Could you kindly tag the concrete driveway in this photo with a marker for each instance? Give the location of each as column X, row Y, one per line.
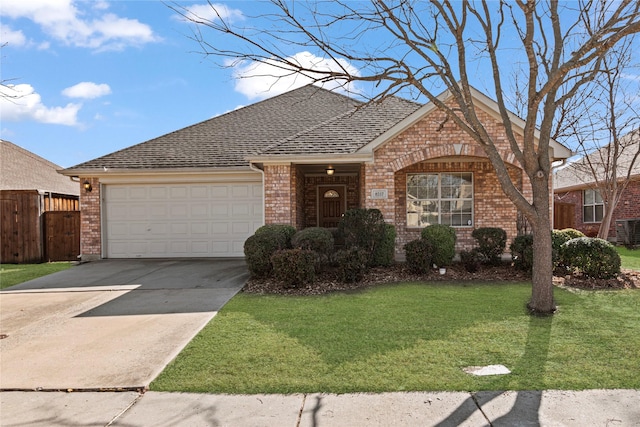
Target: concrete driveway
column 109, row 324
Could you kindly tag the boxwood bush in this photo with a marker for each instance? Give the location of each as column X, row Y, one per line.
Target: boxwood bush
column 558, row 238
column 419, row 256
column 352, row 264
column 593, row 257
column 384, row 253
column 443, row 242
column 281, row 233
column 317, row 239
column 294, row 268
column 363, row 229
column 491, row 244
column 259, row 248
column 522, row 252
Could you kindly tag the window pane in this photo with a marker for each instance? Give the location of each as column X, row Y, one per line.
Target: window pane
column 445, row 198
column 588, row 197
column 599, row 213
column 412, row 192
column 587, row 214
column 598, row 197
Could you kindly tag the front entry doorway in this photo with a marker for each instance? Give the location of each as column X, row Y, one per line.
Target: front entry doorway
column 331, row 205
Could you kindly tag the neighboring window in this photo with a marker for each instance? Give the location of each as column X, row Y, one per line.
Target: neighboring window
column 330, row 194
column 593, row 206
column 440, row 198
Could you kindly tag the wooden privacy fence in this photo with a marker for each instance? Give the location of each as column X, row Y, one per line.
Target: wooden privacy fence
column 30, row 235
column 62, row 236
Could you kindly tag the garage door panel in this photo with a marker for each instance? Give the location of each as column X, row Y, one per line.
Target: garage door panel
column 191, row 220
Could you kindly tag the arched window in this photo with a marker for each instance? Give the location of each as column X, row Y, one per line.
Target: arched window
column 330, row 194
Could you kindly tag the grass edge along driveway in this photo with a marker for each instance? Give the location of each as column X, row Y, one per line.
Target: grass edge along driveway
column 411, row 337
column 13, row 274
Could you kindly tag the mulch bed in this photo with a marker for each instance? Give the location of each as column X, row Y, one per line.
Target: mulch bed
column 329, row 282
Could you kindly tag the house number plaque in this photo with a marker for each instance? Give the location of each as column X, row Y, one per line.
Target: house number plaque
column 379, row 194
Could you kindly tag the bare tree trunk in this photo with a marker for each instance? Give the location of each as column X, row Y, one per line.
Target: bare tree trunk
column 542, row 301
column 605, row 224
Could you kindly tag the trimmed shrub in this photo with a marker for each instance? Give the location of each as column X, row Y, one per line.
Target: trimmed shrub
column 257, row 251
column 364, row 229
column 491, row 244
column 572, row 233
column 352, row 264
column 419, row 256
column 384, row 253
column 593, row 257
column 522, row 252
column 317, row 239
column 294, row 267
column 443, row 242
column 470, row 260
column 281, row 233
column 558, row 238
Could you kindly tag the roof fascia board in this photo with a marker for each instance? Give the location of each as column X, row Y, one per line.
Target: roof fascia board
column 311, row 159
column 166, row 171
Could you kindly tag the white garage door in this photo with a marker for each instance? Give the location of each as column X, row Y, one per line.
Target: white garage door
column 180, row 220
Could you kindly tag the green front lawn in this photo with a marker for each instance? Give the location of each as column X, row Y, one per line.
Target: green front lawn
column 412, row 336
column 630, row 258
column 12, row 274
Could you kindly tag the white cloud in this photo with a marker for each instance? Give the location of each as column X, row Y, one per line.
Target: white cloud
column 87, row 90
column 95, row 29
column 264, row 80
column 210, row 12
column 22, row 103
column 11, row 37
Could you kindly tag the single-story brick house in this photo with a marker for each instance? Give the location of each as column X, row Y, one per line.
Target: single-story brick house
column 301, row 158
column 578, row 203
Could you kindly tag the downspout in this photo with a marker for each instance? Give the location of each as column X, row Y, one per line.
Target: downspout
column 553, row 190
column 257, row 169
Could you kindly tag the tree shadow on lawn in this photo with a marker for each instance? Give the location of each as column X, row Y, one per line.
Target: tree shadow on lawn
column 343, row 328
column 525, row 409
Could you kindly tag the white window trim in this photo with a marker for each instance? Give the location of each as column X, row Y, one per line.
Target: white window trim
column 473, row 219
column 592, row 206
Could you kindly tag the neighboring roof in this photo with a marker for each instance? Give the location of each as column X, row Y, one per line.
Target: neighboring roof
column 225, row 141
column 578, row 174
column 22, row 170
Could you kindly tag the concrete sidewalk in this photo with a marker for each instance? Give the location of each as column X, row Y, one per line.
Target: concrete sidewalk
column 130, row 409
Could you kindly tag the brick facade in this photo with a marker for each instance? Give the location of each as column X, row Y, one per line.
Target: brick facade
column 417, row 149
column 90, row 223
column 628, row 207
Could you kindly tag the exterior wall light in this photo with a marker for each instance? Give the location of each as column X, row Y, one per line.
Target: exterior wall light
column 330, row 170
column 87, row 186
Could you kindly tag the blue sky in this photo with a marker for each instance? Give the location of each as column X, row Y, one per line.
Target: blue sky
column 92, row 77
column 95, row 76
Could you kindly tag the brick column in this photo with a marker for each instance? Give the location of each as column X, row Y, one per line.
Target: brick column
column 277, row 195
column 90, row 224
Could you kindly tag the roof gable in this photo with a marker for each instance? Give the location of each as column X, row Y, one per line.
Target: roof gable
column 24, row 170
column 487, row 105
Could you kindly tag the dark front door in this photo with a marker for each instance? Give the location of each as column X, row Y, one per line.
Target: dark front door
column 331, row 205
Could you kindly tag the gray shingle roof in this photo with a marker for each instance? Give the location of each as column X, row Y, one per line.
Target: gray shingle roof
column 225, row 141
column 348, row 132
column 578, row 173
column 21, row 169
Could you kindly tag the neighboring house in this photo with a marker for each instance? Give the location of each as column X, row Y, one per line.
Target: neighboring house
column 29, row 187
column 300, row 158
column 578, row 203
